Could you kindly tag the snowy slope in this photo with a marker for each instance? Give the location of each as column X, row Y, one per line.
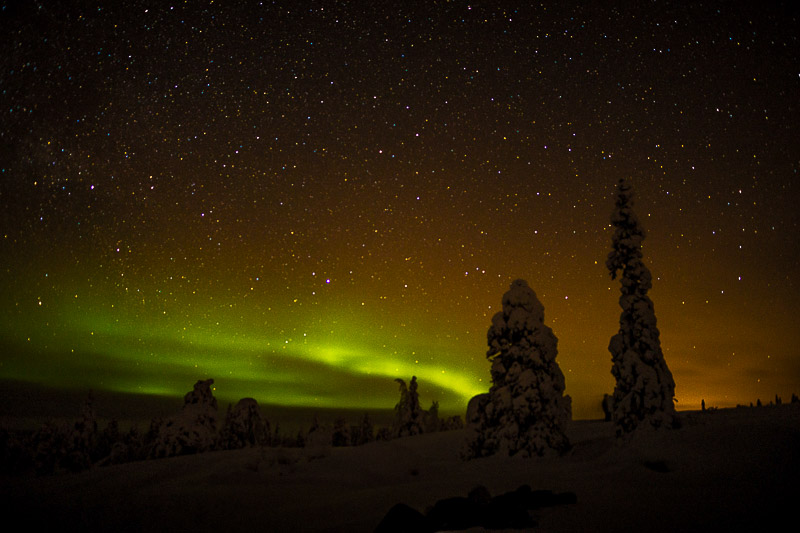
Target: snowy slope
column 724, row 470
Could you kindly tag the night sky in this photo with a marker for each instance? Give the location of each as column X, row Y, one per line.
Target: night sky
column 306, row 200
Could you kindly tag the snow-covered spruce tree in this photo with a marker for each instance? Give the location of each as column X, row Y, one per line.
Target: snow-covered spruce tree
column 644, row 393
column 431, row 418
column 245, row 425
column 525, row 412
column 409, row 416
column 194, row 430
column 85, row 437
column 318, row 441
column 341, row 434
column 366, row 432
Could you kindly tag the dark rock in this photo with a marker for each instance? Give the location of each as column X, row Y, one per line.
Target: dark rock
column 454, row 513
column 546, row 498
column 403, row 519
column 508, row 510
column 657, row 466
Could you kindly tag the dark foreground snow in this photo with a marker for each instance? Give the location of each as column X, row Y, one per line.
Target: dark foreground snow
column 726, row 470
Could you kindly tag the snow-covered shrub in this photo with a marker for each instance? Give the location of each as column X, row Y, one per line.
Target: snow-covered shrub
column 525, row 411
column 63, row 446
column 194, row 429
column 108, row 438
column 383, row 434
column 51, row 446
column 85, row 434
column 341, row 432
column 645, row 389
column 366, row 431
column 245, row 425
column 607, row 404
column 319, row 441
column 15, row 453
column 299, row 441
column 451, row 423
column 431, row 421
column 81, row 447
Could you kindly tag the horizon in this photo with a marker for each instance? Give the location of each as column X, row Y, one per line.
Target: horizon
column 28, row 406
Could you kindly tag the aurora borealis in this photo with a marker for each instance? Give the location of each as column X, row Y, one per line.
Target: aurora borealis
column 305, row 201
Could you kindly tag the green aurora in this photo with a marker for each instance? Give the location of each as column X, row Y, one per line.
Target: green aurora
column 71, row 346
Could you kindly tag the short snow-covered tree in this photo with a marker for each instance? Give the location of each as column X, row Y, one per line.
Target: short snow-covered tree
column 431, row 418
column 525, row 411
column 366, row 431
column 341, row 434
column 319, row 440
column 607, row 405
column 245, row 425
column 409, row 417
column 194, row 429
column 645, row 389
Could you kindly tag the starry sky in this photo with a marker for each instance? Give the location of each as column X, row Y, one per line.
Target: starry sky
column 307, row 200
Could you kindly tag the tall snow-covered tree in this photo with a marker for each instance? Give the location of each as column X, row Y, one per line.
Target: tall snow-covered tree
column 645, row 389
column 525, row 411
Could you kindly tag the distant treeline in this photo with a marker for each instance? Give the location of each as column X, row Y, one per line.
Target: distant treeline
column 199, row 427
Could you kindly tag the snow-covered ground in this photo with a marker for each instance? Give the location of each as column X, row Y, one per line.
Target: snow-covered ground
column 725, row 470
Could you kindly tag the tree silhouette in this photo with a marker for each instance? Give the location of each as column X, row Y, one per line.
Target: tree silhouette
column 645, row 389
column 525, row 411
column 409, row 416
